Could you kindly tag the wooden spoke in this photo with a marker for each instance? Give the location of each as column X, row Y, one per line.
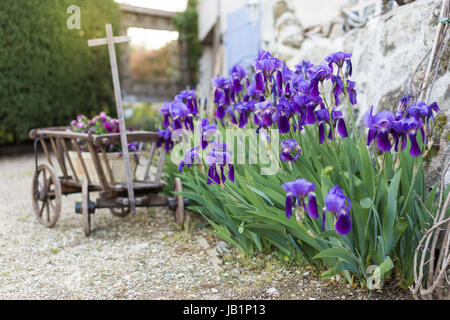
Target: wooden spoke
column 47, row 207
column 42, row 209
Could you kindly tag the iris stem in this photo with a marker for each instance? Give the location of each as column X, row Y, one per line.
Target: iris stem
column 349, row 108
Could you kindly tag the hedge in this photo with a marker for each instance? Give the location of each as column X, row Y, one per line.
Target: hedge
column 48, row 74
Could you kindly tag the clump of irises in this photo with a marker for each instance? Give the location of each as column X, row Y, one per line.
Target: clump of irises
column 392, row 131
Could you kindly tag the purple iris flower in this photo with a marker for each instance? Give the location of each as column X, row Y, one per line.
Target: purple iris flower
column 265, row 66
column 411, row 125
column 264, row 111
column 318, row 74
column 379, row 126
column 301, row 189
column 338, row 204
column 224, row 93
column 303, row 68
column 208, row 130
column 165, row 136
column 351, row 91
column 216, row 160
column 338, row 88
column 285, row 110
column 339, row 123
column 287, row 75
column 305, row 106
column 404, row 103
column 267, row 63
column 244, row 109
column 287, row 147
column 180, row 113
column 339, row 58
column 165, row 111
column 299, row 84
column 189, row 97
column 237, row 73
column 190, row 157
column 421, row 110
column 399, row 132
column 323, row 116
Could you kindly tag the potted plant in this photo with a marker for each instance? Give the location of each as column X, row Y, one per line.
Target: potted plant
column 102, row 124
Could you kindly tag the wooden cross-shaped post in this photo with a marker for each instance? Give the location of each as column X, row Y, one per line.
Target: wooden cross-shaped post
column 110, row 40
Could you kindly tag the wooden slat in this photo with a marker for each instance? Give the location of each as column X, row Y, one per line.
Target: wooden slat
column 66, row 152
column 62, row 134
column 83, row 164
column 57, row 155
column 60, row 150
column 162, row 160
column 135, row 136
column 47, row 155
column 149, row 162
column 108, row 166
column 98, row 166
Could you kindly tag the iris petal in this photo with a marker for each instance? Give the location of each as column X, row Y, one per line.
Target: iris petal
column 383, row 142
column 343, row 224
column 312, row 207
column 342, row 128
column 231, row 172
column 321, row 133
column 289, row 206
column 323, row 219
column 283, row 124
column 415, row 150
column 259, row 80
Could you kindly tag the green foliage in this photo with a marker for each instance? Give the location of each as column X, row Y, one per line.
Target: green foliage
column 187, row 25
column 145, row 117
column 48, row 74
column 386, row 215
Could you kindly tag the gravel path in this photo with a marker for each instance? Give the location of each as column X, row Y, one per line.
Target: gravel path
column 136, row 257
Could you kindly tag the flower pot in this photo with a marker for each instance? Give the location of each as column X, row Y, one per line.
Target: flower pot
column 116, row 162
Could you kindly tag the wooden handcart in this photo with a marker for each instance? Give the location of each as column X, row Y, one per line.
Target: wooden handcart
column 48, row 186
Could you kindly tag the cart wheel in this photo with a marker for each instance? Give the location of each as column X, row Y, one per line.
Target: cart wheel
column 120, row 212
column 179, row 211
column 85, row 208
column 46, row 195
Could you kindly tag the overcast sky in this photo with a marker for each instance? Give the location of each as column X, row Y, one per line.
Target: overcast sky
column 154, row 39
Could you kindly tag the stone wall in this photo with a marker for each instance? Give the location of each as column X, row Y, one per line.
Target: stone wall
column 386, row 52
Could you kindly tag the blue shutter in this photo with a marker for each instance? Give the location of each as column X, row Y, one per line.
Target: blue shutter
column 243, row 39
